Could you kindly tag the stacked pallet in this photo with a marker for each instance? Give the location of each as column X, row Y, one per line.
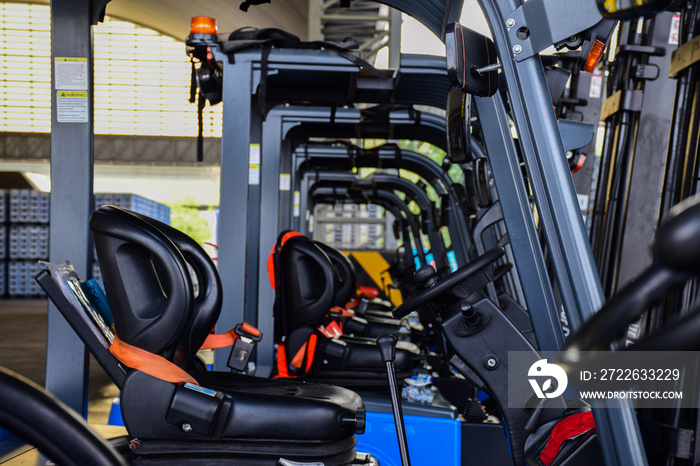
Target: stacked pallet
column 27, row 238
column 136, row 204
column 3, row 242
column 24, row 234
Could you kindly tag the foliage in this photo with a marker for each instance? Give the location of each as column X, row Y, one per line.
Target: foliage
column 185, row 216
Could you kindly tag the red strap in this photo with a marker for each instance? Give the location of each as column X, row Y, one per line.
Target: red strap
column 353, row 304
column 311, row 348
column 249, row 329
column 570, row 427
column 337, row 311
column 298, row 358
column 368, row 292
column 226, row 340
column 307, row 351
column 220, row 340
column 282, row 368
column 149, row 363
column 270, row 258
column 332, row 330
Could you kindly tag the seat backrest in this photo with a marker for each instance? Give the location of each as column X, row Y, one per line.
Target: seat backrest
column 305, row 285
column 209, row 297
column 148, row 286
column 345, row 274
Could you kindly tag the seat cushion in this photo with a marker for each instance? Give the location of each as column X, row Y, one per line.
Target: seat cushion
column 252, row 408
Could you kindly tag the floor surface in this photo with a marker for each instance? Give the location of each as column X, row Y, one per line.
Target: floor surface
column 23, row 350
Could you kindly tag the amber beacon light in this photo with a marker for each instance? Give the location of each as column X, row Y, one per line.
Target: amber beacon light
column 594, row 56
column 203, row 25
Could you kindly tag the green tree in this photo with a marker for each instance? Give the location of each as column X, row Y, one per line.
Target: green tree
column 185, row 216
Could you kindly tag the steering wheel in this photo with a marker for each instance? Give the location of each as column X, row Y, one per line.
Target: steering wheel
column 450, row 282
column 34, row 415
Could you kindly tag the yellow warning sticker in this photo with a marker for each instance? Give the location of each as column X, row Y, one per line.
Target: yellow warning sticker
column 285, row 182
column 297, row 204
column 254, row 164
column 72, row 94
column 72, row 106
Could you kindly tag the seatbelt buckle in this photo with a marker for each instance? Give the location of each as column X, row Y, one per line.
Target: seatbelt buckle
column 243, row 346
column 338, row 311
column 332, row 330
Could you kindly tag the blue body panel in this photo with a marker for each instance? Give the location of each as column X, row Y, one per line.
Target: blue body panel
column 431, row 440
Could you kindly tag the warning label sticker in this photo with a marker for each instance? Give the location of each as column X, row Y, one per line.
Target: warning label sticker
column 71, row 73
column 296, row 204
column 254, row 164
column 596, row 89
column 285, row 182
column 72, row 106
column 675, row 29
column 253, row 174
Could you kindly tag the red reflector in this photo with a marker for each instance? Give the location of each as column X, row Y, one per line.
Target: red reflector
column 594, row 56
column 579, row 163
column 203, row 25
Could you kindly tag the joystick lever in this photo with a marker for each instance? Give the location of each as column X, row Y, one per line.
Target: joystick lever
column 387, row 348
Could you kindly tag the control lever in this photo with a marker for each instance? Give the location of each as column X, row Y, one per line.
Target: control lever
column 425, row 276
column 387, row 348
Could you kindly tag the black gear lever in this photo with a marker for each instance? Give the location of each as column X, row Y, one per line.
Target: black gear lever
column 387, row 348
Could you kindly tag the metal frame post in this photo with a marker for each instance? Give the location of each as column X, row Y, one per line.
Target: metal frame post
column 395, row 23
column 557, row 205
column 233, row 213
column 517, row 214
column 270, row 193
column 71, row 198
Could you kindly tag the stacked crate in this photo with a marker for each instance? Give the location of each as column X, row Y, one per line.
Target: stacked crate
column 27, row 237
column 24, row 234
column 136, row 204
column 3, row 242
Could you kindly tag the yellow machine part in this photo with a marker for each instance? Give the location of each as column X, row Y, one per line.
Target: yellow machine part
column 377, row 268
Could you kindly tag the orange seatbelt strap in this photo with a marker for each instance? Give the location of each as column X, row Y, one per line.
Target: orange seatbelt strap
column 282, row 369
column 149, row 363
column 270, row 258
column 307, row 352
column 337, row 311
column 353, row 304
column 225, row 340
column 311, row 352
column 298, row 358
column 368, row 292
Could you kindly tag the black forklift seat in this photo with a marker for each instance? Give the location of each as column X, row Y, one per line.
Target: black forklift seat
column 152, row 302
column 346, row 285
column 348, row 291
column 305, row 290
